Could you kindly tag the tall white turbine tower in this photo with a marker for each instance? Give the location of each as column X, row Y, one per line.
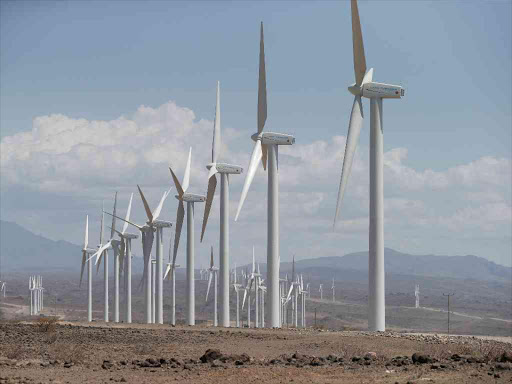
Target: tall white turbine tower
column 266, row 147
column 190, row 199
column 212, row 272
column 365, row 87
column 125, row 259
column 333, row 288
column 224, row 170
column 237, row 288
column 85, row 259
column 417, row 295
column 321, row 290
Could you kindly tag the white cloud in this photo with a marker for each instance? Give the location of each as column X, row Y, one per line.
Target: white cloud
column 64, row 156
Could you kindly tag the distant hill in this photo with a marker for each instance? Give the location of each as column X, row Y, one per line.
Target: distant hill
column 355, row 265
column 20, row 248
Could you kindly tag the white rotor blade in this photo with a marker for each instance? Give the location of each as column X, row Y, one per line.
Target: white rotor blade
column 368, row 77
column 86, row 239
column 186, row 175
column 354, row 128
column 176, row 183
column 209, row 283
column 128, row 211
column 179, row 223
column 84, row 259
column 262, row 86
column 243, row 301
column 158, row 209
column 216, row 128
column 99, row 252
column 253, row 167
column 212, row 184
column 167, row 270
column 139, row 227
column 211, row 260
column 146, row 205
column 289, row 293
column 147, row 245
column 114, row 212
column 102, row 218
column 357, row 44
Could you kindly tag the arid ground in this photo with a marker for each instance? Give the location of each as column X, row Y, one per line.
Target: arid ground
column 46, row 351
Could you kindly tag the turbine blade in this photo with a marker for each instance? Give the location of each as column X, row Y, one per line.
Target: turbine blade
column 158, row 209
column 253, row 166
column 167, row 270
column 84, row 259
column 354, row 129
column 264, row 156
column 209, row 283
column 99, row 252
column 176, row 183
column 211, row 260
column 243, row 301
column 289, row 292
column 116, row 231
column 212, row 184
column 368, row 77
column 262, row 86
column 86, row 238
column 146, row 205
column 186, row 175
column 216, row 128
column 102, row 218
column 114, row 212
column 128, row 211
column 126, row 221
column 357, row 44
column 179, row 223
column 147, row 245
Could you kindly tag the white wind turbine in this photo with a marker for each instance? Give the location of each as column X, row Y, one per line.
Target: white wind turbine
column 333, row 289
column 125, row 264
column 266, row 147
column 303, row 292
column 365, row 87
column 224, row 170
column 102, row 252
column 2, row 288
column 321, row 290
column 212, row 272
column 417, row 295
column 147, row 234
column 31, row 289
column 170, row 272
column 253, row 278
column 190, row 199
column 85, row 259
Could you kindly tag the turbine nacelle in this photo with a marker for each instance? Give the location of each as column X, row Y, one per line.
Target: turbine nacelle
column 225, row 168
column 191, row 198
column 381, row 90
column 273, row 138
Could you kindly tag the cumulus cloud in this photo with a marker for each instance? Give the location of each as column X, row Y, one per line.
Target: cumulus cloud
column 64, row 156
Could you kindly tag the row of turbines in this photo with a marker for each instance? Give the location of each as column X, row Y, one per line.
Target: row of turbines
column 266, row 146
column 35, row 286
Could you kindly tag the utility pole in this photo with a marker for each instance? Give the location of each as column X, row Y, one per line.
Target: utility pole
column 448, row 296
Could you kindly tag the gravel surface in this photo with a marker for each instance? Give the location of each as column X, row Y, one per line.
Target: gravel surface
column 101, row 353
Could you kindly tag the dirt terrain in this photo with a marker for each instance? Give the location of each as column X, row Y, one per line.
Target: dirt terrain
column 44, row 351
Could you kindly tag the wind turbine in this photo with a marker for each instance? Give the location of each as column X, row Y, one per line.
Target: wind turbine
column 212, row 272
column 333, row 289
column 266, row 147
column 2, row 288
column 190, row 199
column 224, row 170
column 253, row 278
column 85, row 259
column 365, row 87
column 417, row 295
column 237, row 288
column 125, row 258
column 102, row 252
column 171, row 272
column 147, row 234
column 303, row 293
column 321, row 290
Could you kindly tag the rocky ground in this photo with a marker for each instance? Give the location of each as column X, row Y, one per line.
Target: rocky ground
column 44, row 352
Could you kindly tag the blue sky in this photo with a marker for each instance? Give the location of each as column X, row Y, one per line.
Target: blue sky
column 102, row 60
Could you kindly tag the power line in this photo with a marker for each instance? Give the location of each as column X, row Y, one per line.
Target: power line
column 448, row 295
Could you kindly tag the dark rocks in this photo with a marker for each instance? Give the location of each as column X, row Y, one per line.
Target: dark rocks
column 506, row 357
column 456, row 357
column 239, row 362
column 503, row 366
column 421, row 359
column 216, row 364
column 210, row 355
column 355, row 359
column 107, row 364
